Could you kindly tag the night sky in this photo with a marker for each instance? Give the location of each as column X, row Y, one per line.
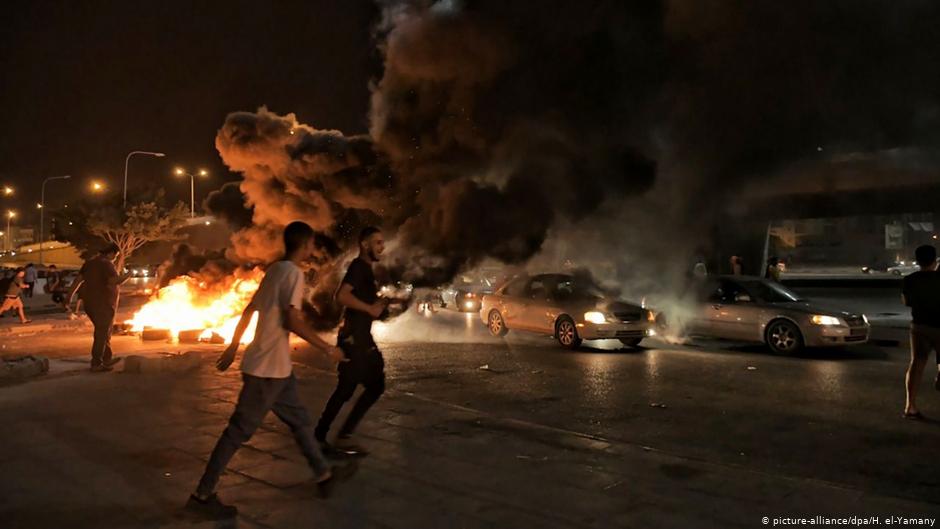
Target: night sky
column 84, row 83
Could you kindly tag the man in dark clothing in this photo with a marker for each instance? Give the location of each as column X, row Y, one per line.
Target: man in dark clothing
column 359, row 295
column 99, row 283
column 922, row 295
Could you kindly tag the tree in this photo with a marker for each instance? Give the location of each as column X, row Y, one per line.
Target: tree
column 137, row 225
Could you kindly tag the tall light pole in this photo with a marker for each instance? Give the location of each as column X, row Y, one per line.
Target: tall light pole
column 10, row 215
column 127, row 161
column 42, row 212
column 192, row 187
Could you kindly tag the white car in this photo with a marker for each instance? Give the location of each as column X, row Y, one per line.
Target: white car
column 903, row 268
column 564, row 306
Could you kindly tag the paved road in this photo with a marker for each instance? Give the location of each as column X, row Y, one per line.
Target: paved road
column 483, row 432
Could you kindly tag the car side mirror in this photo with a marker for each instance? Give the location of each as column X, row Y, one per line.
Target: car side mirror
column 742, row 298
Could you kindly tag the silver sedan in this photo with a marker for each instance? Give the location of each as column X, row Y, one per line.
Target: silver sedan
column 758, row 310
column 570, row 309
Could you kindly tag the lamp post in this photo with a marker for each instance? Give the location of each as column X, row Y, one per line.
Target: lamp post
column 42, row 212
column 127, row 161
column 192, row 187
column 10, row 215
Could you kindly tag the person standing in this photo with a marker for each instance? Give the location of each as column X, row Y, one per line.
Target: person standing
column 359, row 295
column 53, row 284
column 99, row 282
column 267, row 372
column 773, row 269
column 30, row 279
column 921, row 292
column 11, row 299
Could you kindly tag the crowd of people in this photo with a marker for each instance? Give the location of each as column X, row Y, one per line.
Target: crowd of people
column 19, row 284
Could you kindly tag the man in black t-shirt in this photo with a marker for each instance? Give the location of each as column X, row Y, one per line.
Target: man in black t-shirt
column 359, row 295
column 98, row 282
column 922, row 295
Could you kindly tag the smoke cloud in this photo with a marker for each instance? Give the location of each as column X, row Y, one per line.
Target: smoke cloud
column 504, row 131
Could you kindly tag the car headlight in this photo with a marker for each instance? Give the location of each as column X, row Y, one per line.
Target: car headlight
column 865, row 319
column 819, row 319
column 594, row 316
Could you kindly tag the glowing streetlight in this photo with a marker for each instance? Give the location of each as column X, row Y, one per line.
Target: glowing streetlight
column 179, row 171
column 127, row 161
column 96, row 187
column 42, row 211
column 7, row 190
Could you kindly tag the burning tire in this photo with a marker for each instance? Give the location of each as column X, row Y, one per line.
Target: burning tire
column 567, row 333
column 496, row 325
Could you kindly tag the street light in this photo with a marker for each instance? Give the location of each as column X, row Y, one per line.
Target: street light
column 96, row 187
column 42, row 212
column 192, row 187
column 10, row 215
column 127, row 161
column 7, row 190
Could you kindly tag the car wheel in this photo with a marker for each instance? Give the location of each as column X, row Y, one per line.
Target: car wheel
column 631, row 342
column 496, row 325
column 567, row 333
column 784, row 337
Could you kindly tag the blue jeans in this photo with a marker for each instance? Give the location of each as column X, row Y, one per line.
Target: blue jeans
column 258, row 396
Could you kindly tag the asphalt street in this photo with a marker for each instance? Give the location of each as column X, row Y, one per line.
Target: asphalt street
column 518, row 431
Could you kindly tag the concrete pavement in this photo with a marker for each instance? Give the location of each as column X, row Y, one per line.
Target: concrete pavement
column 483, row 432
column 491, row 433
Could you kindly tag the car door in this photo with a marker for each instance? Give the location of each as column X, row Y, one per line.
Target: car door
column 512, row 302
column 535, row 315
column 707, row 302
column 738, row 315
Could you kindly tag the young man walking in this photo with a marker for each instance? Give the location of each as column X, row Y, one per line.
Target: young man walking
column 358, row 294
column 922, row 295
column 99, row 282
column 267, row 372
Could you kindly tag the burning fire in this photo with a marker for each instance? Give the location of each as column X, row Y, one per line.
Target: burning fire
column 190, row 304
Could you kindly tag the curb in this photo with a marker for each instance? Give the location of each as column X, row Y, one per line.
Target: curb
column 22, row 330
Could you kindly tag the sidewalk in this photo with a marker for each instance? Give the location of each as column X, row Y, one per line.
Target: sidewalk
column 121, row 450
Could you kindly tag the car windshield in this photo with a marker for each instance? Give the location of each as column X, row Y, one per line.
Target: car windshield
column 571, row 288
column 770, row 291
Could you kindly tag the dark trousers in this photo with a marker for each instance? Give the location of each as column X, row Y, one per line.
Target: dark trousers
column 102, row 317
column 257, row 398
column 367, row 367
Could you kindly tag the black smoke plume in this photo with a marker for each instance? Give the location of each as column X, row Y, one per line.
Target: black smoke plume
column 495, row 123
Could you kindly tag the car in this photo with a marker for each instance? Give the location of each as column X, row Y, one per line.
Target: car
column 903, row 268
column 570, row 308
column 752, row 309
column 466, row 293
column 142, row 270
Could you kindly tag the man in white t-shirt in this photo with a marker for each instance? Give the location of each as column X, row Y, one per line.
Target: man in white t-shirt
column 269, row 384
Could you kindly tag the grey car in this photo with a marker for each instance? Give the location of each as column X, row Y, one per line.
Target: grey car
column 752, row 309
column 569, row 308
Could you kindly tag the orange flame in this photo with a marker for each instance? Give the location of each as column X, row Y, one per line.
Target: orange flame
column 190, row 304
